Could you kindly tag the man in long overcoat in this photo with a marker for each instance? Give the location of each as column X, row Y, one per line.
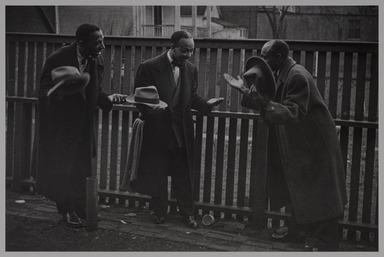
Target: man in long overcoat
column 66, row 129
column 168, row 137
column 305, row 166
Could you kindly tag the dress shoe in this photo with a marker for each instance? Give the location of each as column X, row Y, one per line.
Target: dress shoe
column 72, row 220
column 190, row 221
column 159, row 220
column 285, row 236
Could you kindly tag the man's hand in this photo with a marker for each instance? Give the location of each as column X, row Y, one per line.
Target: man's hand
column 237, row 84
column 215, row 101
column 149, row 110
column 117, row 98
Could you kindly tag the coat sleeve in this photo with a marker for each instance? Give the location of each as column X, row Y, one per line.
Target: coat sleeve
column 294, row 104
column 198, row 102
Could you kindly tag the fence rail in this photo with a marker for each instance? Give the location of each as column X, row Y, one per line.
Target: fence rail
column 229, row 142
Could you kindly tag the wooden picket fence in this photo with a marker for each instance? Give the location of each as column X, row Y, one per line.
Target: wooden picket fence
column 230, row 142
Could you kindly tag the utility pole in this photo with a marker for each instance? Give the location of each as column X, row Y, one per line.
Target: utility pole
column 194, row 25
column 209, row 20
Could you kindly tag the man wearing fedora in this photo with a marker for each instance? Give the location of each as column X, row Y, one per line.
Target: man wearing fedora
column 305, row 166
column 70, row 90
column 168, row 137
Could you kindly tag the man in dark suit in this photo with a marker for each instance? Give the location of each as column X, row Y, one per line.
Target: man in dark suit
column 305, row 165
column 168, row 140
column 66, row 129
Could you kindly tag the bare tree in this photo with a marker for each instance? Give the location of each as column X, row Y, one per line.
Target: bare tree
column 276, row 15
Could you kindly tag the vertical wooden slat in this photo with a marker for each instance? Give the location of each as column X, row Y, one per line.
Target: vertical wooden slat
column 124, row 144
column 27, row 141
column 219, row 164
column 212, row 73
column 231, row 158
column 202, row 71
column 138, row 58
column 360, row 86
column 309, row 61
column 297, row 56
column 346, row 105
column 147, row 53
column 107, row 70
column 223, row 82
column 235, row 95
column 334, row 83
column 253, row 160
column 11, row 69
column 354, row 184
column 39, row 62
column 208, row 161
column 31, row 85
column 116, row 86
column 127, row 81
column 20, row 66
column 373, row 90
column 35, row 149
column 347, row 85
column 50, row 48
column 321, row 69
column 243, row 156
column 104, row 150
column 114, row 151
column 125, row 137
column 198, row 144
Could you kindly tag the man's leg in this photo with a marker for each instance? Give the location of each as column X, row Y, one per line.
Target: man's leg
column 182, row 186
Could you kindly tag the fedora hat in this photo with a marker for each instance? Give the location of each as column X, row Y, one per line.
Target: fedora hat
column 260, row 74
column 147, row 96
column 68, row 80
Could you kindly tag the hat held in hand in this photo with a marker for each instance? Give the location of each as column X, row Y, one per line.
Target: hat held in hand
column 260, row 74
column 68, row 80
column 147, row 96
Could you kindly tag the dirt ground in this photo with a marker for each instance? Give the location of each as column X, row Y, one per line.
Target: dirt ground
column 26, row 234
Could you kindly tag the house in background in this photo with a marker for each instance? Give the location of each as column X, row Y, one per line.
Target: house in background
column 333, row 23
column 139, row 21
column 200, row 21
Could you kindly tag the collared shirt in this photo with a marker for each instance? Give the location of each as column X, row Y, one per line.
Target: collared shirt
column 82, row 61
column 175, row 69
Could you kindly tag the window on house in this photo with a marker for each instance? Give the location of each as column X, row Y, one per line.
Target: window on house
column 354, row 28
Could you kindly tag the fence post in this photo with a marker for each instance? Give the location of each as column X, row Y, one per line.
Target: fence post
column 258, row 207
column 91, row 199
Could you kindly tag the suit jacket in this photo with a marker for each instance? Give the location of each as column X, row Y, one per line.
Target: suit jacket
column 153, row 167
column 65, row 124
column 305, row 164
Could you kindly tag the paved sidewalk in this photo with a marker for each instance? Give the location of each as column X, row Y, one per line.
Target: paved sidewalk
column 222, row 236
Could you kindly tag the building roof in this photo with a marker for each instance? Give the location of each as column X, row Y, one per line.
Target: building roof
column 225, row 24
